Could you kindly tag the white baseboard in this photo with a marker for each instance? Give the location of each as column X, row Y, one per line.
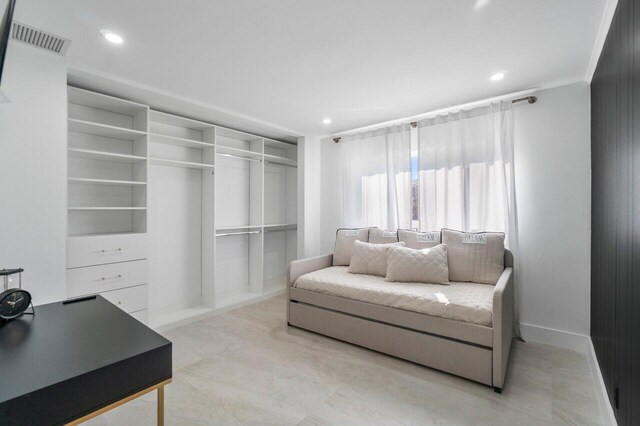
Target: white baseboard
column 551, row 336
column 603, row 398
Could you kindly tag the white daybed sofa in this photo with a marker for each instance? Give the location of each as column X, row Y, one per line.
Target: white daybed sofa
column 463, row 328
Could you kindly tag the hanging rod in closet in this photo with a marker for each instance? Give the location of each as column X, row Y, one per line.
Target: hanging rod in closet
column 282, row 164
column 237, row 233
column 414, row 124
column 239, row 157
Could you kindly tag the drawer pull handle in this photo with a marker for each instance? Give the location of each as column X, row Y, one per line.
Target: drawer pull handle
column 110, row 250
column 111, row 278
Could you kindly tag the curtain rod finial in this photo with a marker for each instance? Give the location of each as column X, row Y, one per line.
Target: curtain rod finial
column 414, row 124
column 532, row 99
column 336, row 140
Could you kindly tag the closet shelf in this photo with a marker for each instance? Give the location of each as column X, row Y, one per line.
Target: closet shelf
column 105, row 234
column 178, row 121
column 105, row 182
column 106, row 208
column 104, row 130
column 87, row 154
column 173, row 140
column 224, row 150
column 231, row 228
column 102, row 102
column 280, row 160
column 178, row 163
column 281, row 227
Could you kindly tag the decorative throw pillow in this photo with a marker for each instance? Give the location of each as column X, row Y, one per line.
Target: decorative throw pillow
column 344, row 244
column 418, row 266
column 419, row 240
column 381, row 236
column 370, row 259
column 475, row 257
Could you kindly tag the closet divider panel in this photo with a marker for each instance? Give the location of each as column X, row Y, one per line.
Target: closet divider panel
column 208, row 221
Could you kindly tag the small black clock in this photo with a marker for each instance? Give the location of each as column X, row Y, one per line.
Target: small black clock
column 13, row 301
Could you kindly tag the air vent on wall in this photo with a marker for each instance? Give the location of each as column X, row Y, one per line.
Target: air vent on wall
column 40, row 39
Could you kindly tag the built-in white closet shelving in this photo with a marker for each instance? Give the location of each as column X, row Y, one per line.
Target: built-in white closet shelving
column 186, row 216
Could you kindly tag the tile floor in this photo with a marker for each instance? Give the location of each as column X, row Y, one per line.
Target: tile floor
column 247, row 367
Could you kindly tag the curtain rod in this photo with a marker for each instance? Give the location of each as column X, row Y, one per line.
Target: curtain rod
column 529, row 99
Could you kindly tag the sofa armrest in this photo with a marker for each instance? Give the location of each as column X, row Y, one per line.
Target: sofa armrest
column 304, row 266
column 502, row 325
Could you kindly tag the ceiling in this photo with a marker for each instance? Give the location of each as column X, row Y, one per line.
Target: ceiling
column 291, row 63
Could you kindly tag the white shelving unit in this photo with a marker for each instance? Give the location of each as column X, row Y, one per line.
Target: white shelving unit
column 107, row 200
column 217, row 206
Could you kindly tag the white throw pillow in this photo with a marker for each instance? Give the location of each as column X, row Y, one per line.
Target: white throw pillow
column 418, row 266
column 419, row 240
column 344, row 244
column 475, row 257
column 381, row 236
column 370, row 259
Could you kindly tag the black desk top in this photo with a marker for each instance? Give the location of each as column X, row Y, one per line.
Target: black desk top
column 65, row 342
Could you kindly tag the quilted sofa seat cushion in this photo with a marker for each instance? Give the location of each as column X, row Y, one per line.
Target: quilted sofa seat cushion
column 344, row 244
column 424, row 266
column 475, row 257
column 467, row 302
column 370, row 258
column 419, row 240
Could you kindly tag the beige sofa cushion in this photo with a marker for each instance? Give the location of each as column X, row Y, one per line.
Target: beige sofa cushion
column 419, row 240
column 474, row 257
column 420, row 266
column 370, row 259
column 344, row 244
column 468, row 302
column 382, row 236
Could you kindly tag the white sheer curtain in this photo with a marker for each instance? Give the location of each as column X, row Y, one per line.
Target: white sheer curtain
column 376, row 178
column 466, row 175
column 466, row 178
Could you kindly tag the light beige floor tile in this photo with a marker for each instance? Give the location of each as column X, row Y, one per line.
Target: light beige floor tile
column 248, row 367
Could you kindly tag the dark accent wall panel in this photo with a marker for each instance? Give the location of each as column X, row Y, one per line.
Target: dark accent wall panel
column 615, row 240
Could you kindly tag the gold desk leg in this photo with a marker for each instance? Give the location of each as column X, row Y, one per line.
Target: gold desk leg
column 161, row 406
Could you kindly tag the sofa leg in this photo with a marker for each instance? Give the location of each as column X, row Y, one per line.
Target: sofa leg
column 497, row 389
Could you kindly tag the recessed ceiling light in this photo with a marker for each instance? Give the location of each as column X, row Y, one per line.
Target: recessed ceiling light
column 111, row 36
column 497, row 76
column 327, row 121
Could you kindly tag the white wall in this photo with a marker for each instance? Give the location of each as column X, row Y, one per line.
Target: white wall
column 33, row 171
column 553, row 191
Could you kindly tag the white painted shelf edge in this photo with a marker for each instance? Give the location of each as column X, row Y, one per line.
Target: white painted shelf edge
column 174, row 140
column 105, row 182
column 178, row 163
column 231, row 227
column 106, row 208
column 99, row 129
column 106, row 234
column 103, row 155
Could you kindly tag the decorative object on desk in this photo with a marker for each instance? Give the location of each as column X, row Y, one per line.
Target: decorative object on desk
column 14, row 301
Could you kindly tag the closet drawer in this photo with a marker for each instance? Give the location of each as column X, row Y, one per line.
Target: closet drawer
column 96, row 279
column 86, row 251
column 130, row 299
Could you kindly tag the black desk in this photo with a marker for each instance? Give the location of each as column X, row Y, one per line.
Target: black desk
column 71, row 362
